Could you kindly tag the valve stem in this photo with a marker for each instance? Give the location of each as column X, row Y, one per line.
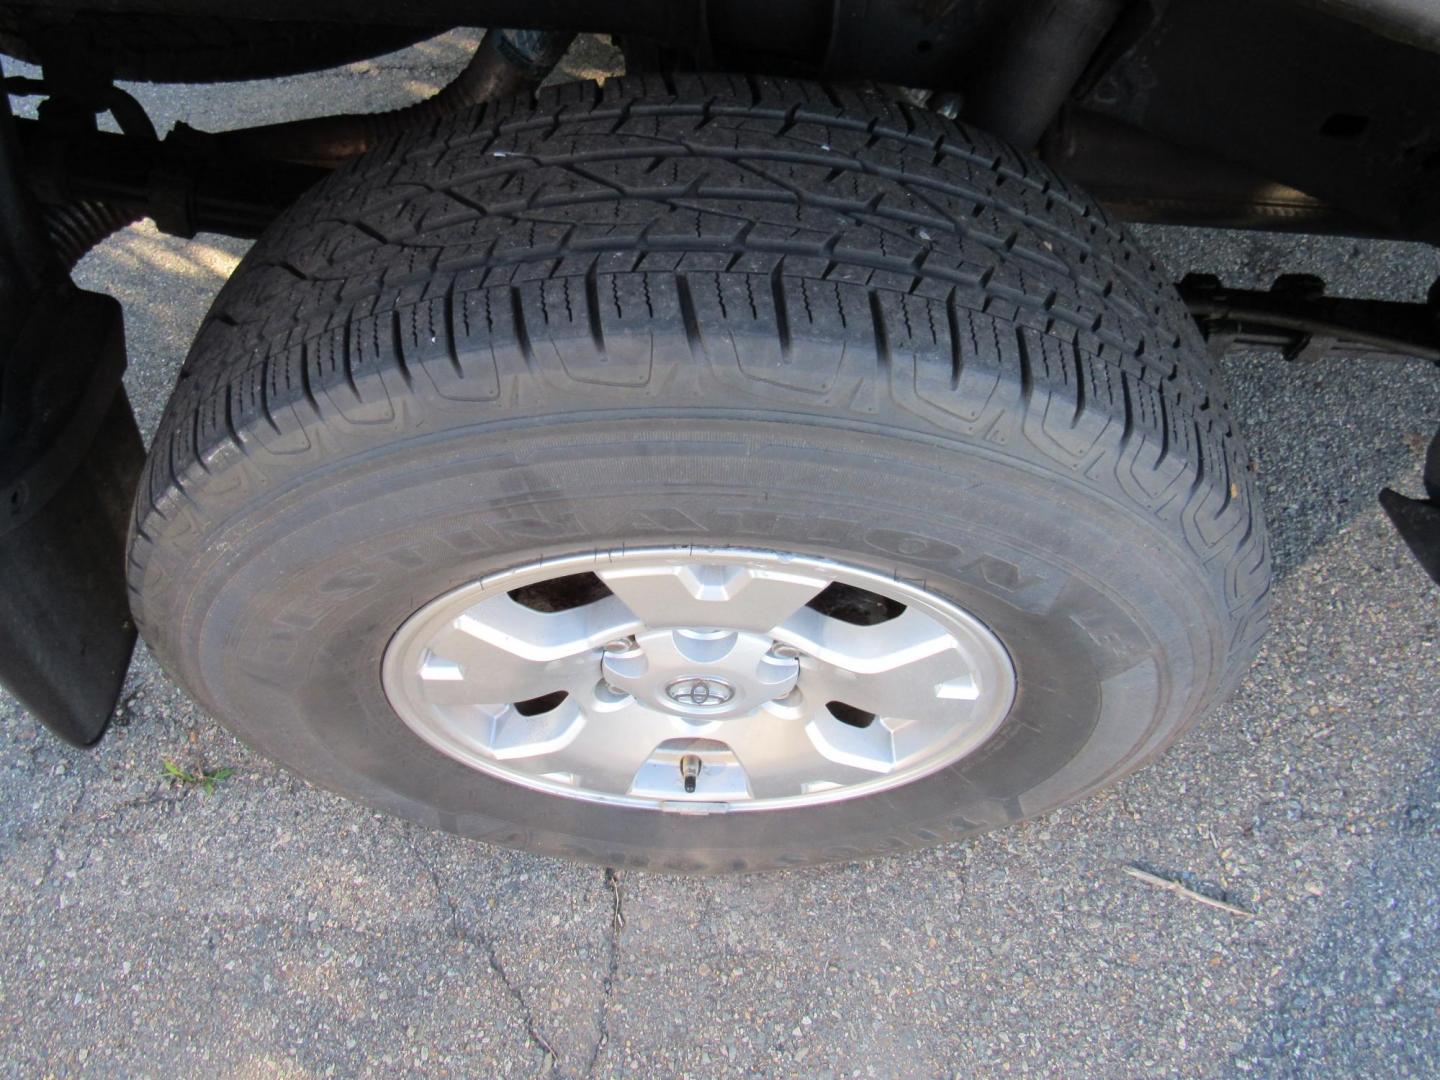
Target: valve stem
column 690, row 772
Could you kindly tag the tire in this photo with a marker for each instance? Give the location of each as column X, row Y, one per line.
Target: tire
column 758, row 314
column 195, row 49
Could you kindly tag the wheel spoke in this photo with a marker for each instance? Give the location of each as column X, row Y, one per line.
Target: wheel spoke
column 498, row 651
column 545, row 635
column 490, row 676
column 909, row 668
column 921, row 690
column 718, row 595
column 610, row 746
column 510, row 735
column 781, row 756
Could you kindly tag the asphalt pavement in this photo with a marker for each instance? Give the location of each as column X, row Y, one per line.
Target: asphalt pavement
column 267, row 929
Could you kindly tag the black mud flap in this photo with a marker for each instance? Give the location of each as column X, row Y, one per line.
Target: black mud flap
column 1418, row 520
column 70, row 455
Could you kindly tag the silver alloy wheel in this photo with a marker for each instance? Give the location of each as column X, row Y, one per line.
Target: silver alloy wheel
column 698, row 679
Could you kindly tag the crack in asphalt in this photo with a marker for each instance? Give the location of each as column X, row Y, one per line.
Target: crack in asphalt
column 478, row 939
column 612, row 969
column 162, row 794
column 56, row 838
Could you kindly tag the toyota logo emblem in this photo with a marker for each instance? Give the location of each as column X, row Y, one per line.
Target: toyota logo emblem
column 700, row 691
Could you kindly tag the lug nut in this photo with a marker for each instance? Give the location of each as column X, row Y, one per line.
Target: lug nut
column 619, row 645
column 781, row 651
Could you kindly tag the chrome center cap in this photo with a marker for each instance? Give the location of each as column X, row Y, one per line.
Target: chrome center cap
column 702, row 674
column 701, row 691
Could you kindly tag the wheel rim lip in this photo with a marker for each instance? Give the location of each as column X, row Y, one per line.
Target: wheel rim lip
column 407, row 644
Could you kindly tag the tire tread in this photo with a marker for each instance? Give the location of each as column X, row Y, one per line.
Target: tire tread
column 995, row 303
